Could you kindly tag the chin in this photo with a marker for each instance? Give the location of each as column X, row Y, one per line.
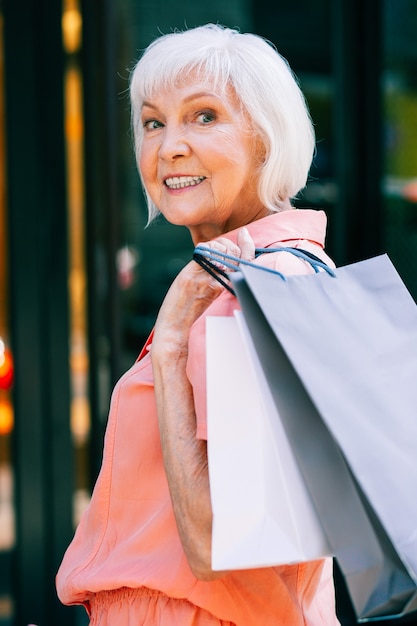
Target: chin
column 180, row 218
column 176, row 220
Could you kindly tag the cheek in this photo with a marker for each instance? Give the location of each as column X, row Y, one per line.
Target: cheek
column 143, row 165
column 147, row 166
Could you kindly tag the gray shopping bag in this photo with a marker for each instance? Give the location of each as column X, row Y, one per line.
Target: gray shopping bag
column 340, row 356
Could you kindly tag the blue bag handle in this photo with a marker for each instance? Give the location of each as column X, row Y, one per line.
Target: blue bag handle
column 208, row 258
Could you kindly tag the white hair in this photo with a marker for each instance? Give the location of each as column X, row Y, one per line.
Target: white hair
column 264, row 84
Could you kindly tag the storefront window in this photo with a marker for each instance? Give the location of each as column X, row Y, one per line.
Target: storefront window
column 400, row 117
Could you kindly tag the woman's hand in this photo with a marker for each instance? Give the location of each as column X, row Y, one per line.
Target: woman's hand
column 185, row 456
column 192, row 292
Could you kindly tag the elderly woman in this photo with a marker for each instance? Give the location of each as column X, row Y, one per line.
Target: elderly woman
column 223, row 142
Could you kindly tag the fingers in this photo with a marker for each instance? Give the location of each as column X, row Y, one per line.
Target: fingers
column 223, row 244
column 243, row 249
column 226, row 249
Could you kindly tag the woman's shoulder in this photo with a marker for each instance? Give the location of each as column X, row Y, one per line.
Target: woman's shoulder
column 278, row 257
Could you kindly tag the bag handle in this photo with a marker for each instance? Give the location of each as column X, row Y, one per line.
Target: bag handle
column 210, row 259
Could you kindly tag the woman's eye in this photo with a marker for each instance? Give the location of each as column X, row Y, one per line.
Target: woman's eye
column 205, row 117
column 152, row 124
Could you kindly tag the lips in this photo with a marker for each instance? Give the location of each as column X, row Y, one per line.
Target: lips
column 180, row 182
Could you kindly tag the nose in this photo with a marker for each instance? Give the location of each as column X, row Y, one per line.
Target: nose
column 174, row 143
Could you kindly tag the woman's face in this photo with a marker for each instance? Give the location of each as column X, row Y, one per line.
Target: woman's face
column 199, row 159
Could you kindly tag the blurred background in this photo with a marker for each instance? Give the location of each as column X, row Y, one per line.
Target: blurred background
column 81, row 278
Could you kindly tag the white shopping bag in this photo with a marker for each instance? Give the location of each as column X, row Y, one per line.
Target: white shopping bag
column 262, row 511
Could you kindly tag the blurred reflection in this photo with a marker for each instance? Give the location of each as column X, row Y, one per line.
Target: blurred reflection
column 6, row 382
column 127, row 259
column 79, row 360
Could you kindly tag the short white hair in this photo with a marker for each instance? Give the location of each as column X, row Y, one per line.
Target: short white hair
column 264, row 84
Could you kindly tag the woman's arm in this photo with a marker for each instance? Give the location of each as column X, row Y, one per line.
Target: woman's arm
column 185, row 456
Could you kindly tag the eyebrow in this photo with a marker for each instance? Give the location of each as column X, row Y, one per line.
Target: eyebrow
column 145, row 103
column 193, row 96
column 201, row 94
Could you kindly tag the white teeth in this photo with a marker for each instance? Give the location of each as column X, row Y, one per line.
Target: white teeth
column 178, row 182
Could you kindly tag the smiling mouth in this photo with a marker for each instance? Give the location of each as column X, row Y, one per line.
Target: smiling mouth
column 179, row 182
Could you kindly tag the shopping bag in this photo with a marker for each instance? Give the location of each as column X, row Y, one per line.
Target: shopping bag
column 257, row 492
column 340, row 357
column 256, row 520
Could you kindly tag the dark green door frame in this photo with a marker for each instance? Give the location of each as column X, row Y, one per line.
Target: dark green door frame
column 357, row 39
column 37, row 234
column 101, row 100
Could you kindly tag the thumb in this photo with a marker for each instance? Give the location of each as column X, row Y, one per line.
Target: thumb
column 246, row 244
